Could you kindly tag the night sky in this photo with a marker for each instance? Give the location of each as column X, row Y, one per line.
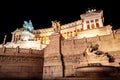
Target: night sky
column 41, row 13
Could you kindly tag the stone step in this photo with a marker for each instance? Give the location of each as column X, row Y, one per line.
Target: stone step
column 87, row 79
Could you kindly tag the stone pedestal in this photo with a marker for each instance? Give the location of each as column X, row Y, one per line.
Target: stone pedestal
column 53, row 66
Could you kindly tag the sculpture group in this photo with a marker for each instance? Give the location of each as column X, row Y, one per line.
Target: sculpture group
column 56, row 26
column 93, row 55
column 28, row 25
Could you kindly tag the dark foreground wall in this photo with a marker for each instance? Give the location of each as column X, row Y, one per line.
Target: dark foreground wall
column 21, row 63
column 73, row 78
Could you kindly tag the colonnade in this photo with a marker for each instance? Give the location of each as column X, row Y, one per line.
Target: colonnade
column 42, row 39
column 91, row 24
column 15, row 38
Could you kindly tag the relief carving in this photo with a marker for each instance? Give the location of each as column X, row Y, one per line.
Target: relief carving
column 93, row 55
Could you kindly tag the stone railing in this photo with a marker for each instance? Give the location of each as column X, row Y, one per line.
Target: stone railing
column 21, row 51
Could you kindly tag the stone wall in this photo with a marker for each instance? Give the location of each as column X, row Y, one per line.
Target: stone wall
column 63, row 57
column 72, row 51
column 77, row 46
column 53, row 66
column 21, row 63
column 58, row 59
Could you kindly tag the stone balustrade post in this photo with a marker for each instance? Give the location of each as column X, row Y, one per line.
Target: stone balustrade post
column 17, row 49
column 4, row 49
column 30, row 51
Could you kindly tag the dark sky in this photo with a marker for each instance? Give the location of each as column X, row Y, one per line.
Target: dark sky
column 13, row 14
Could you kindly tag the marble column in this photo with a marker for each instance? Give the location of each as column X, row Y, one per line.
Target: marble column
column 100, row 23
column 90, row 24
column 84, row 25
column 94, row 23
column 13, row 37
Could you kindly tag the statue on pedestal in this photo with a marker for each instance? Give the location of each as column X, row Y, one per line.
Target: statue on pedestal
column 28, row 25
column 56, row 26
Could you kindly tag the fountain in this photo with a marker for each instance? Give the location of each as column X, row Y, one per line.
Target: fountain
column 95, row 71
column 95, row 68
